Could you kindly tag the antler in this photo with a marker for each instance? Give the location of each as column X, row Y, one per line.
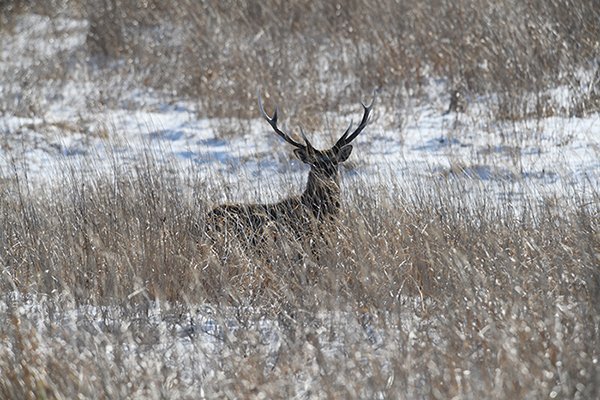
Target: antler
column 273, row 122
column 345, row 139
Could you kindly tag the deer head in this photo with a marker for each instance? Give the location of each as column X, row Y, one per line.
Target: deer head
column 324, row 163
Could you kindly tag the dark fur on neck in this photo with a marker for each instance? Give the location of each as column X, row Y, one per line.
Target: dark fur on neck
column 322, row 194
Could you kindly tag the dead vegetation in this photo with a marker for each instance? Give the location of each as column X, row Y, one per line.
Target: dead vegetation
column 432, row 288
column 324, row 55
column 506, row 294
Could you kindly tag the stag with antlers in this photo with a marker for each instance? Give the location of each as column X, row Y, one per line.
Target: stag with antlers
column 319, row 202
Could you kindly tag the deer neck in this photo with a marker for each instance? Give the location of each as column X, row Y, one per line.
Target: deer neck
column 322, row 194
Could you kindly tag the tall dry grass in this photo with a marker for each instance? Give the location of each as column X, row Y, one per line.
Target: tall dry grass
column 431, row 288
column 424, row 289
column 324, row 55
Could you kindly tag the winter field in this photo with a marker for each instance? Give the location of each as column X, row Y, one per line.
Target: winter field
column 466, row 259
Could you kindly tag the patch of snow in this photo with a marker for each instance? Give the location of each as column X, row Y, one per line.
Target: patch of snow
column 427, row 144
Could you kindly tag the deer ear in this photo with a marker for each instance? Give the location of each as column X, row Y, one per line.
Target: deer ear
column 302, row 156
column 344, row 153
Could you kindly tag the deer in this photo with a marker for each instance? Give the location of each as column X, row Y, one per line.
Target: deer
column 318, row 204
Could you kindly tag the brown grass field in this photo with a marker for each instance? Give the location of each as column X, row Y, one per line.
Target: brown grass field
column 428, row 287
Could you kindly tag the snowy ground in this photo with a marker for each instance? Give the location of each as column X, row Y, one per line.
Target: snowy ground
column 547, row 151
column 544, row 153
column 190, row 347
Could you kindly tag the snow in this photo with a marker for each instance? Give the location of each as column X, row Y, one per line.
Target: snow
column 547, row 151
column 30, row 37
column 193, row 344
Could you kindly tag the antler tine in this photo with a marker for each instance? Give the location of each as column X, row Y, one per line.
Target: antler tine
column 309, row 145
column 345, row 139
column 345, row 135
column 273, row 122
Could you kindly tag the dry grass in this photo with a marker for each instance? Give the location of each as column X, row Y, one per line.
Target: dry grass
column 431, row 288
column 323, row 55
column 505, row 295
